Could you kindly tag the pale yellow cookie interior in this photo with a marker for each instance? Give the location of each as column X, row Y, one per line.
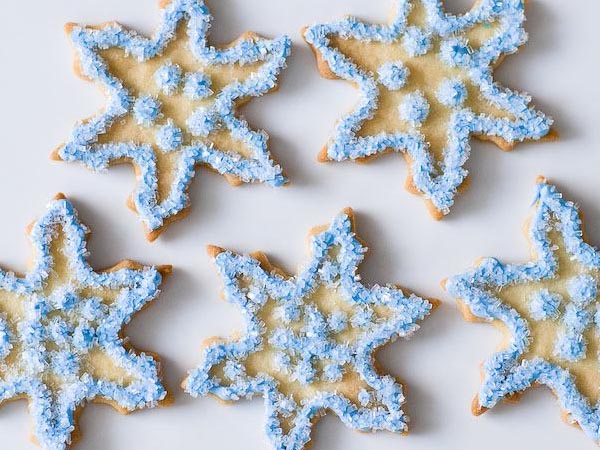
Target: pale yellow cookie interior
column 138, row 78
column 426, row 74
column 327, row 300
column 13, row 309
column 544, row 333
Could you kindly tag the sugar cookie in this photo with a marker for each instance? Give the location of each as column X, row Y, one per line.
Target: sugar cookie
column 61, row 342
column 172, row 103
column 548, row 311
column 310, row 340
column 426, row 85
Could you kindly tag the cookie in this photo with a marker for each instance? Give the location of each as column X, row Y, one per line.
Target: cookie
column 310, row 340
column 172, row 102
column 548, row 311
column 61, row 331
column 426, row 86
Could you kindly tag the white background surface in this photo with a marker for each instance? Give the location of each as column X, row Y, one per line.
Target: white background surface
column 42, row 98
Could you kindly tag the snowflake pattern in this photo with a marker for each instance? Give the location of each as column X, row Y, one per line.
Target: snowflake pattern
column 548, row 308
column 310, row 340
column 426, row 85
column 171, row 107
column 60, row 325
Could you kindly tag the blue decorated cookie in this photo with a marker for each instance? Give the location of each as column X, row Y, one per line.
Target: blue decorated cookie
column 171, row 107
column 426, row 85
column 61, row 325
column 310, row 340
column 548, row 310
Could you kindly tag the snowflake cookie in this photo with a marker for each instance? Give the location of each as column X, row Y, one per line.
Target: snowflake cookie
column 426, row 85
column 549, row 311
column 61, row 341
column 310, row 341
column 172, row 102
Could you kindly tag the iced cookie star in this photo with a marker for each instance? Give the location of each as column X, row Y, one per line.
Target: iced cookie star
column 426, row 85
column 172, row 102
column 310, row 341
column 61, row 331
column 548, row 309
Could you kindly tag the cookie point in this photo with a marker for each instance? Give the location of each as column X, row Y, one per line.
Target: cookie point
column 249, row 35
column 434, row 302
column 443, row 283
column 59, row 196
column 130, row 203
column 263, row 259
column 69, row 26
column 323, row 156
column 29, row 227
column 552, row 136
column 349, row 212
column 214, row 251
column 435, row 213
column 152, row 236
column 233, row 180
column 169, row 400
column 183, row 383
column 541, row 179
column 55, row 155
column 210, row 341
column 476, row 408
column 165, row 270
